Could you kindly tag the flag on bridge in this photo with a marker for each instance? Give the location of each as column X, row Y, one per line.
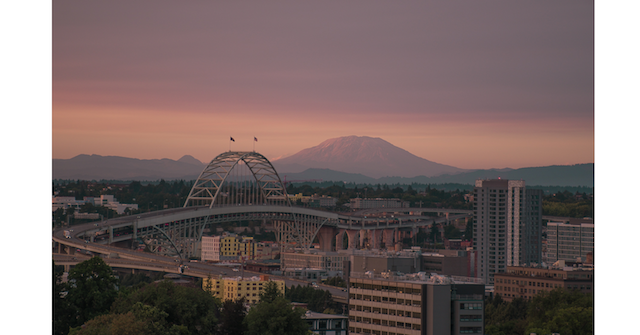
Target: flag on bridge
column 255, row 139
column 232, row 139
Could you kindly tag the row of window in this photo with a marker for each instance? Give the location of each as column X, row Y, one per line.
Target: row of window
column 470, row 330
column 387, row 323
column 386, row 288
column 386, row 300
column 470, row 305
column 358, row 330
column 385, row 311
column 470, row 318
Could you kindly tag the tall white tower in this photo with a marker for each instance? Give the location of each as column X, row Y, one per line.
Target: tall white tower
column 507, row 224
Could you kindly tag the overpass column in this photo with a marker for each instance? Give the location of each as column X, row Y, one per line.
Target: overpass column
column 375, row 238
column 388, row 238
column 398, row 239
column 414, row 235
column 339, row 240
column 110, row 234
column 324, row 237
column 363, row 234
column 352, row 239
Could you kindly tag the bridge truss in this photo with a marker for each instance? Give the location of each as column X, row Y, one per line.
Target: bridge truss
column 238, row 178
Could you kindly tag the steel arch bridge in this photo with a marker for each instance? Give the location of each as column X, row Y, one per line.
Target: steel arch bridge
column 235, row 186
column 238, row 178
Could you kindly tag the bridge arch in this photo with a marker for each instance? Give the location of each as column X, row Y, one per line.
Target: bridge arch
column 240, row 178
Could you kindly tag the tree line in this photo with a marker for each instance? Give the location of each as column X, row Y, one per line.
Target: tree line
column 94, row 301
column 172, row 194
column 568, row 312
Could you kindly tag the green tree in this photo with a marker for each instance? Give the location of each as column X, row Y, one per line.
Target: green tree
column 185, row 306
column 208, row 287
column 61, row 310
column 270, row 292
column 435, row 232
column 451, row 232
column 141, row 320
column 275, row 317
column 232, row 316
column 92, row 290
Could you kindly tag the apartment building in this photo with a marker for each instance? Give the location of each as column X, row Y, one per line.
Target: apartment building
column 415, row 304
column 526, row 282
column 227, row 247
column 235, row 288
column 507, row 226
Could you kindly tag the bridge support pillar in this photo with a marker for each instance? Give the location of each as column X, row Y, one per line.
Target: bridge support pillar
column 414, row 235
column 375, row 238
column 339, row 240
column 363, row 235
column 325, row 235
column 352, row 239
column 387, row 235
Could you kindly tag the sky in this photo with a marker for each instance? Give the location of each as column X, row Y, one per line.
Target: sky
column 470, row 84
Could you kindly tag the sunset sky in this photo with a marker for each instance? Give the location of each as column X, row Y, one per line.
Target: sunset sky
column 472, row 84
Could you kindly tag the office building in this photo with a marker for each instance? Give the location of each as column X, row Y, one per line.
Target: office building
column 569, row 241
column 507, row 226
column 415, row 304
column 526, row 282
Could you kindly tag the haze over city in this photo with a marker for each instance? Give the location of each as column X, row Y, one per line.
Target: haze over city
column 484, row 85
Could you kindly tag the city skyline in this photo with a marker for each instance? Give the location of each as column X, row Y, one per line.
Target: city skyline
column 489, row 85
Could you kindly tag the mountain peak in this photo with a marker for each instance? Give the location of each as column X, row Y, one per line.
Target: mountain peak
column 190, row 160
column 371, row 156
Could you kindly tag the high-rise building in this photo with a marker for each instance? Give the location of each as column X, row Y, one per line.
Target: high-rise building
column 507, row 226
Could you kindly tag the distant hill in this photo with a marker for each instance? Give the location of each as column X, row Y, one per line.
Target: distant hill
column 96, row 167
column 370, row 156
column 349, row 159
column 559, row 175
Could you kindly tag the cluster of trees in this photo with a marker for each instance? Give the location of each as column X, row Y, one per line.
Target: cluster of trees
column 93, row 303
column 171, row 194
column 336, row 281
column 426, row 197
column 317, row 300
column 568, row 312
column 568, row 204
